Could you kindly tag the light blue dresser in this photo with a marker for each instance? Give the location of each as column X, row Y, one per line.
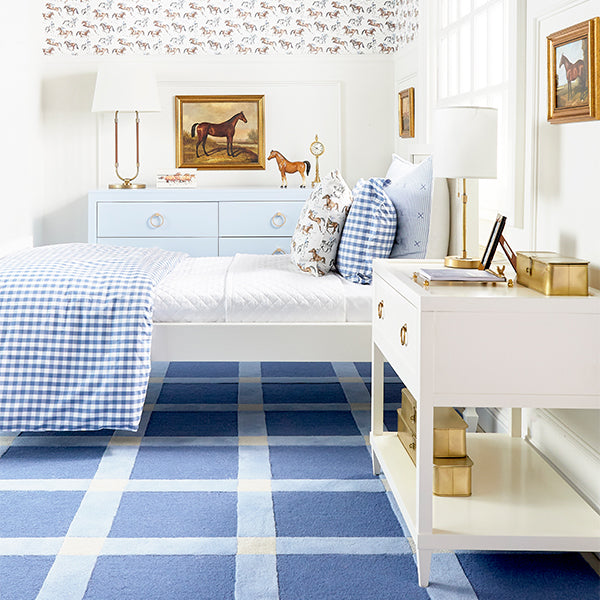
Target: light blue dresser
column 201, row 222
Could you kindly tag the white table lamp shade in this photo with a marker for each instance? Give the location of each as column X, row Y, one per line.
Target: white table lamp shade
column 465, row 142
column 126, row 88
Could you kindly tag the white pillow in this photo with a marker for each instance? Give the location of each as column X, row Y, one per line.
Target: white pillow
column 319, row 229
column 439, row 221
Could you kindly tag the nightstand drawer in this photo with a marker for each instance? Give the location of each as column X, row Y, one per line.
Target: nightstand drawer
column 157, row 219
column 258, row 218
column 258, row 245
column 396, row 325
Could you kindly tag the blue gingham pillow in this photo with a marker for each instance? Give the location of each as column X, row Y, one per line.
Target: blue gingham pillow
column 411, row 197
column 369, row 231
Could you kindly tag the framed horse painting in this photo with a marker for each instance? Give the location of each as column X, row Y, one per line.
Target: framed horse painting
column 573, row 87
column 220, row 132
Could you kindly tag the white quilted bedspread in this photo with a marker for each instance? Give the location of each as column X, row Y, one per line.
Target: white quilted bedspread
column 253, row 288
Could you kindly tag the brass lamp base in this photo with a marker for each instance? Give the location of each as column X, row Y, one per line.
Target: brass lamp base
column 126, row 186
column 458, row 262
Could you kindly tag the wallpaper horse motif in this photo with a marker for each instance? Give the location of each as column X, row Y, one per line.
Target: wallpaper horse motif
column 188, row 27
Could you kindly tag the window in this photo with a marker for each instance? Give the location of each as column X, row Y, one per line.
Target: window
column 475, row 50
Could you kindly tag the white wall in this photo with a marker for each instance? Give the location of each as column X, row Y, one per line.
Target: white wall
column 20, row 152
column 348, row 101
column 562, row 189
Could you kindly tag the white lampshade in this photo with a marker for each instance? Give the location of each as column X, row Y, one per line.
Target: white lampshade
column 126, row 88
column 465, row 142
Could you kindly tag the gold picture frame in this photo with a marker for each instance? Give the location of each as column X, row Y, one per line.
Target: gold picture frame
column 573, row 62
column 406, row 112
column 220, row 132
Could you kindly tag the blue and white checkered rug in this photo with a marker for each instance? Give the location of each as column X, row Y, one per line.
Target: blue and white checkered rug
column 245, row 481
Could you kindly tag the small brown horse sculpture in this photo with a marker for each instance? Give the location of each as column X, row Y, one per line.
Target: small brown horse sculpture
column 225, row 129
column 285, row 166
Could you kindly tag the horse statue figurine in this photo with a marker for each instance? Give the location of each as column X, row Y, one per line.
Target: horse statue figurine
column 225, row 129
column 572, row 72
column 286, row 166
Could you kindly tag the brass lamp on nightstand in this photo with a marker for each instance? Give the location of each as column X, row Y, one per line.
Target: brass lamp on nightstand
column 126, row 88
column 465, row 147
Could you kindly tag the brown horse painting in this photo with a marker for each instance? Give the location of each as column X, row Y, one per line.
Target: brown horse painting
column 285, row 166
column 225, row 129
column 572, row 72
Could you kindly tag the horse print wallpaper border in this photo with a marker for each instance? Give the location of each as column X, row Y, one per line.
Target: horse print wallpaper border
column 220, row 132
column 573, row 64
column 227, row 27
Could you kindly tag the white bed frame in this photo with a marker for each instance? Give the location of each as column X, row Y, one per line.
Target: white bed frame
column 318, row 342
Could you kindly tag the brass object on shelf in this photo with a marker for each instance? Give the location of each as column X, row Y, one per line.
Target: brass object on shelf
column 452, row 476
column 552, row 274
column 408, row 438
column 449, row 429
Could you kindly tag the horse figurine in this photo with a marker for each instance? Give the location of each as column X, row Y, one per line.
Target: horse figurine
column 225, row 129
column 572, row 72
column 285, row 166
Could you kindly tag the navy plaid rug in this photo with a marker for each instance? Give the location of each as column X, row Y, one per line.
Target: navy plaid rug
column 245, row 481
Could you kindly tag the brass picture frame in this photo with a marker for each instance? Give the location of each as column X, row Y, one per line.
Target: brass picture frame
column 406, row 112
column 573, row 62
column 220, row 132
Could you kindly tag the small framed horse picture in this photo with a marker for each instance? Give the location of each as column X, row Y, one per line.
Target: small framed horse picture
column 406, row 112
column 573, row 63
column 220, row 132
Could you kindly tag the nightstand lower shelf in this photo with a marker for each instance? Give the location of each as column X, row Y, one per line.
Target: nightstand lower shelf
column 519, row 502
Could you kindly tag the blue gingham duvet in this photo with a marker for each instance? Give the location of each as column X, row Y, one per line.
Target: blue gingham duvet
column 75, row 335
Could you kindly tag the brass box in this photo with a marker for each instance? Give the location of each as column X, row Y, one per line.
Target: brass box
column 552, row 274
column 452, row 476
column 449, row 429
column 407, row 437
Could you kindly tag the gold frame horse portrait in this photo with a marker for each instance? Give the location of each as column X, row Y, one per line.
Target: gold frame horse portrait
column 573, row 63
column 220, row 132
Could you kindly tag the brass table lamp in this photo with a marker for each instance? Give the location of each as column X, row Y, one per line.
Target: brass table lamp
column 126, row 88
column 465, row 147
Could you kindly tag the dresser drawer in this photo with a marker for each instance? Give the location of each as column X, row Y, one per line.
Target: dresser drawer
column 160, row 219
column 396, row 325
column 205, row 246
column 258, row 218
column 258, row 245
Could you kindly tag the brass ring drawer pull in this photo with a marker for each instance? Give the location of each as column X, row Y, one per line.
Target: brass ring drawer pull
column 403, row 333
column 156, row 220
column 278, row 251
column 380, row 309
column 278, row 220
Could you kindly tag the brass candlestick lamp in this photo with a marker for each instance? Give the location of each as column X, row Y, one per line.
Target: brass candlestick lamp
column 465, row 147
column 126, row 88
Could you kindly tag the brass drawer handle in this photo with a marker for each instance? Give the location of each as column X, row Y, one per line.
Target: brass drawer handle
column 278, row 220
column 380, row 309
column 403, row 333
column 156, row 220
column 278, row 251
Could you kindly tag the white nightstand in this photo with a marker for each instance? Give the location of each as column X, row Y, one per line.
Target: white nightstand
column 201, row 221
column 484, row 345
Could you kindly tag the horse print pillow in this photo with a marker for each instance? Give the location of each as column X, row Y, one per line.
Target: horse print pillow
column 319, row 228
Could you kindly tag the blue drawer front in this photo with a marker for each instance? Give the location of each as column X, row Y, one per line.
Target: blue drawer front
column 192, row 246
column 160, row 219
column 276, row 219
column 264, row 245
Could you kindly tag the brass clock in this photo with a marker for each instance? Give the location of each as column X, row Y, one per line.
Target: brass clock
column 317, row 149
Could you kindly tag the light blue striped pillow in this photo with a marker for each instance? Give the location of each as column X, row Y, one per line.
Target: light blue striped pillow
column 411, row 197
column 368, row 233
